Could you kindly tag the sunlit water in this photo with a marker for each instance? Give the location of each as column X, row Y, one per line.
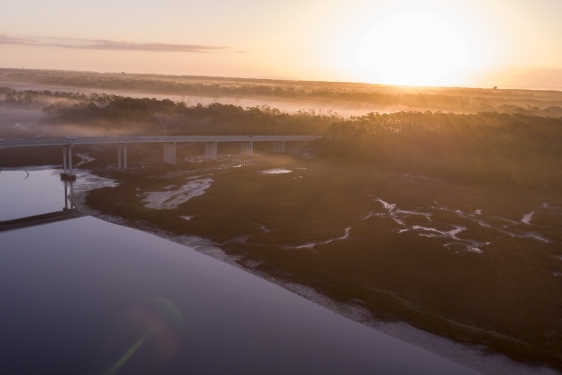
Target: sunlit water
column 84, row 296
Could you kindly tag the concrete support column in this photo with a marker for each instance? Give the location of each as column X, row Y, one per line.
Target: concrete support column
column 70, row 158
column 125, row 156
column 64, row 158
column 170, row 153
column 119, row 155
column 211, row 150
column 247, row 148
column 278, row 146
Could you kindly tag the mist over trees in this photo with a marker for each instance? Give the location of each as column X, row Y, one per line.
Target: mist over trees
column 151, row 116
column 463, row 100
column 518, row 148
column 488, row 148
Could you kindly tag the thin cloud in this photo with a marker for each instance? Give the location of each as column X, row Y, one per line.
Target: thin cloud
column 150, row 47
column 108, row 45
column 12, row 39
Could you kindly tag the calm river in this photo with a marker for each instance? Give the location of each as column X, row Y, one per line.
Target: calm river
column 83, row 296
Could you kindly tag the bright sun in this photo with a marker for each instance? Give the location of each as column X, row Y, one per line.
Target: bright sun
column 414, row 48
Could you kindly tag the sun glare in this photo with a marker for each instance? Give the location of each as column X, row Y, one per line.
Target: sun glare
column 414, row 48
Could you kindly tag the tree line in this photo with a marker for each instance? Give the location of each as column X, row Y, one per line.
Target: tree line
column 490, row 148
column 487, row 148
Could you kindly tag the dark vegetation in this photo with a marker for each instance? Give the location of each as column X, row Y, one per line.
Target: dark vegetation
column 152, row 116
column 27, row 97
column 488, row 148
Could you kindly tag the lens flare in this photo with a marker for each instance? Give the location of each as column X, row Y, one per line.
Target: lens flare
column 152, row 332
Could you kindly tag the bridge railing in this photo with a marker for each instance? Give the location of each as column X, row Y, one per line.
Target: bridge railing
column 152, row 139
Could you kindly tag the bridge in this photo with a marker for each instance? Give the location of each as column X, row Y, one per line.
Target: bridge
column 210, row 141
column 31, row 221
column 246, row 144
column 67, row 213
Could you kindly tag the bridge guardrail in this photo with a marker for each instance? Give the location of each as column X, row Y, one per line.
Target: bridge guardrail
column 153, row 139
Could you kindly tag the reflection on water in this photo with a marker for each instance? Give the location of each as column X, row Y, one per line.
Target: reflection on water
column 23, row 194
column 84, row 296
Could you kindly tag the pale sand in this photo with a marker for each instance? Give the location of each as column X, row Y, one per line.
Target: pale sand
column 170, row 199
column 276, row 171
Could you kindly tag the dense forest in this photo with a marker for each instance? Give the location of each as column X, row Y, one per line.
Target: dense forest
column 488, row 148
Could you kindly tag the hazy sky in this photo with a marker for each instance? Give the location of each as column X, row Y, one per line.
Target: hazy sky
column 471, row 42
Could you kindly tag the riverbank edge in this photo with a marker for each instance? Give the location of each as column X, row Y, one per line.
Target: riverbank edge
column 474, row 357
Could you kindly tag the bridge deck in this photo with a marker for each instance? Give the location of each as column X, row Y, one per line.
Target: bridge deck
column 153, row 139
column 42, row 219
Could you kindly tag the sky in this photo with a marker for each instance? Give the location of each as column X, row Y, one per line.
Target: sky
column 409, row 42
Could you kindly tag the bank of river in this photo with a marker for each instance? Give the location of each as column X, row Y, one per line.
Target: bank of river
column 87, row 296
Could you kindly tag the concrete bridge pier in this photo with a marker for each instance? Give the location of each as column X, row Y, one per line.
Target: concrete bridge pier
column 278, row 146
column 64, row 158
column 119, row 155
column 70, row 160
column 170, row 153
column 211, row 150
column 67, row 173
column 124, row 147
column 247, row 148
